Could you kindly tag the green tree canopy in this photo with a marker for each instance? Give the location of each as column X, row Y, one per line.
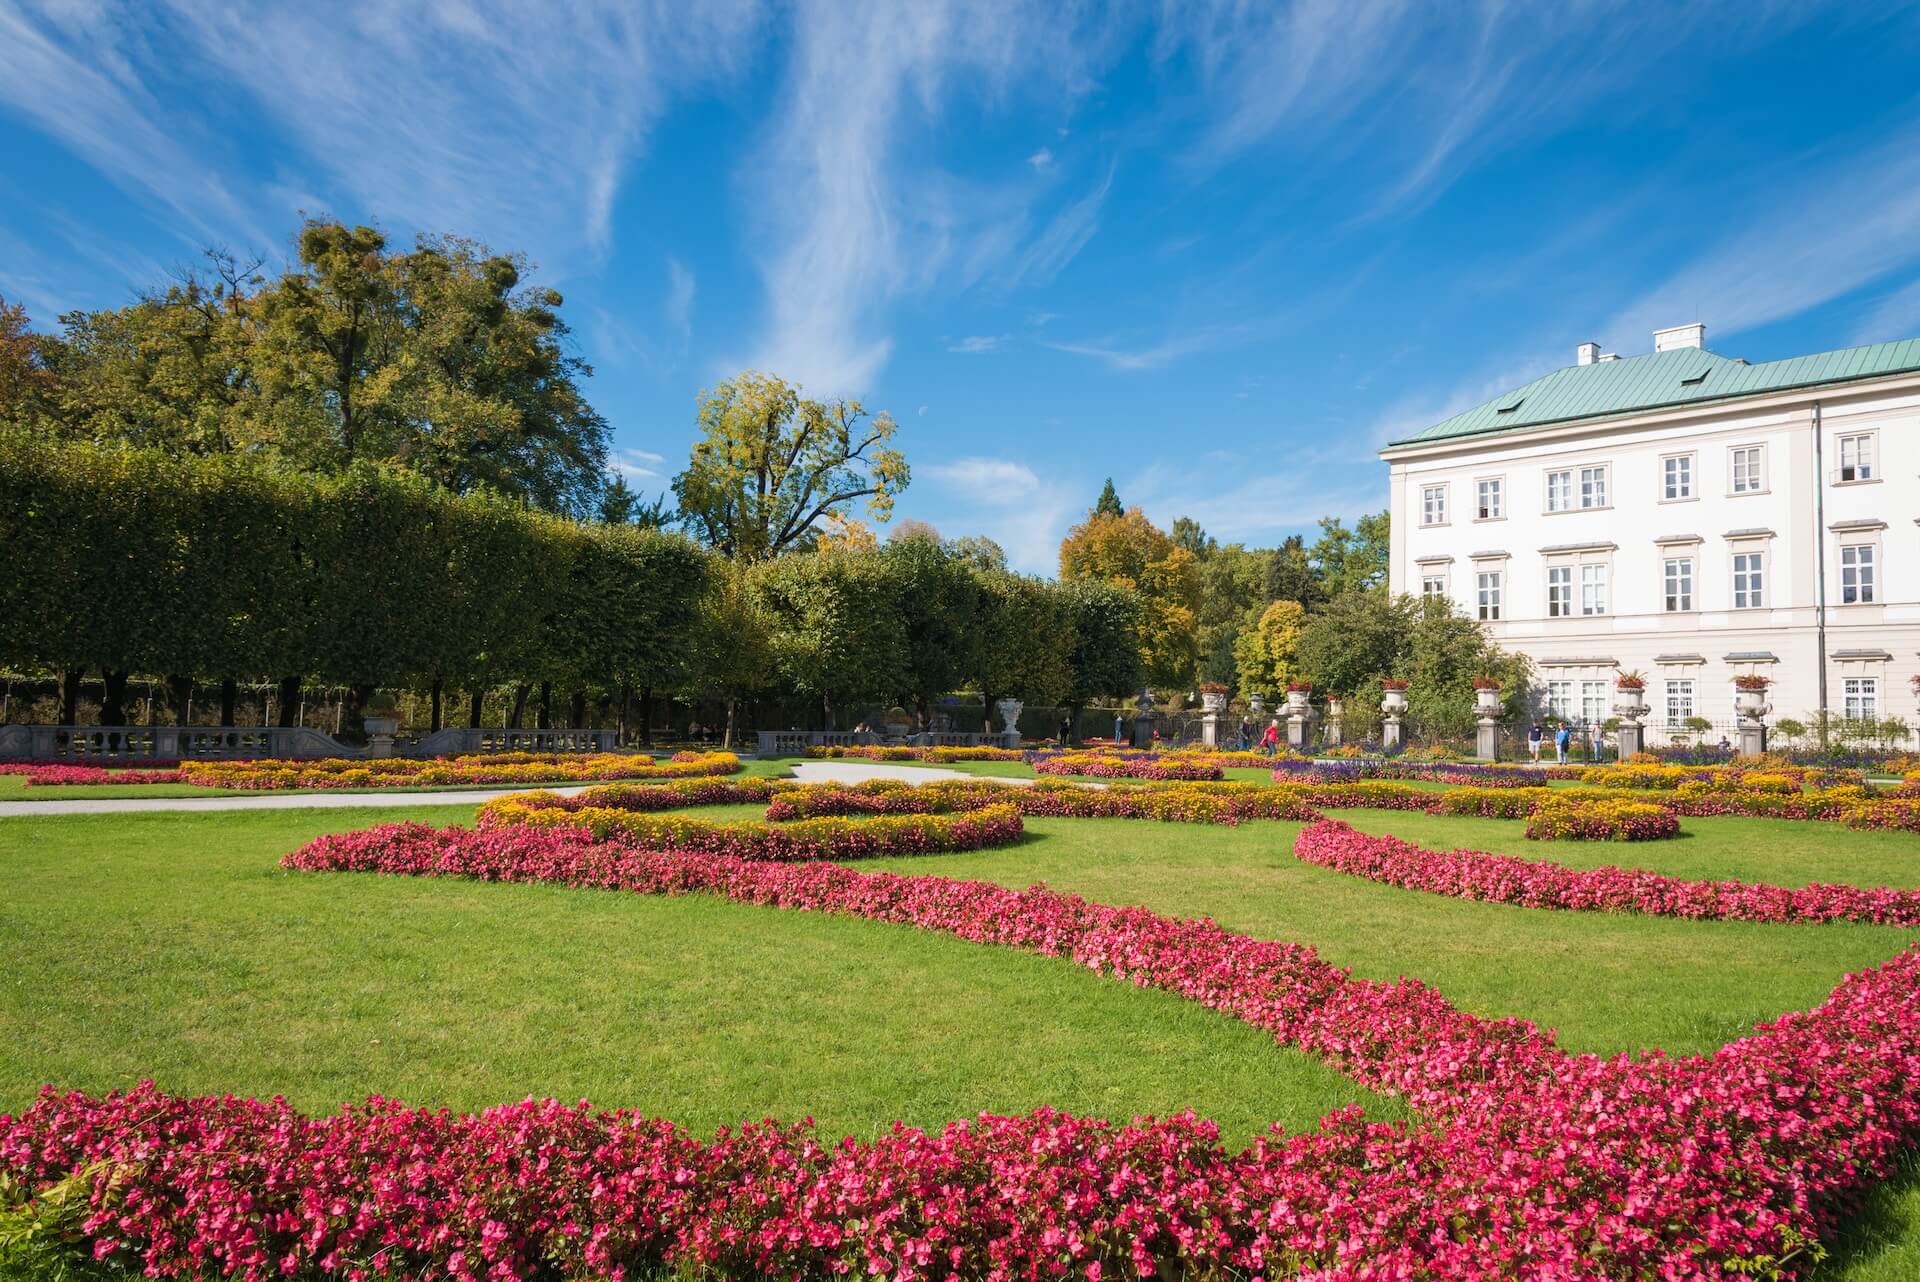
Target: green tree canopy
column 836, row 636
column 771, row 466
column 1352, row 560
column 1267, row 650
column 1027, row 638
column 1105, row 661
column 1108, row 504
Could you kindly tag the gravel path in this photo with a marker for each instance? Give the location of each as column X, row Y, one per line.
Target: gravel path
column 267, row 801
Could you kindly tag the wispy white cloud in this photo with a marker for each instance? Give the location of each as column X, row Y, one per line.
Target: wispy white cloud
column 1832, row 230
column 986, row 480
column 863, row 221
column 1896, row 315
column 1009, row 502
column 1119, row 354
column 977, row 344
column 637, row 465
column 480, row 116
column 679, row 304
column 1042, row 158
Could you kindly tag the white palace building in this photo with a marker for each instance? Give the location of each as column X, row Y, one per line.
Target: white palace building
column 1686, row 515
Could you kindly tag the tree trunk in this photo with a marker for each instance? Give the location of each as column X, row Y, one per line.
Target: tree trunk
column 546, row 706
column 518, row 715
column 577, row 710
column 438, row 686
column 113, row 703
column 229, row 697
column 726, row 738
column 353, row 725
column 70, row 695
column 289, row 701
column 646, row 716
column 826, row 713
column 180, row 695
column 626, row 715
column 478, row 699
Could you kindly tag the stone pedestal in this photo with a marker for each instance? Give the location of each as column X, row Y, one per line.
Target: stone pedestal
column 1486, row 743
column 380, row 735
column 1393, row 710
column 1632, row 736
column 1335, row 713
column 1216, row 706
column 1010, row 710
column 1143, row 720
column 1750, row 711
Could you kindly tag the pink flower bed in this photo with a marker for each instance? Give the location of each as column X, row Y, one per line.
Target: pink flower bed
column 1531, row 1163
column 1211, row 803
column 1536, row 883
column 53, row 776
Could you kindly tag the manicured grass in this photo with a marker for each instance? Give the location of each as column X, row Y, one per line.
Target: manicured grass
column 1784, row 852
column 14, row 787
column 1607, row 982
column 172, row 946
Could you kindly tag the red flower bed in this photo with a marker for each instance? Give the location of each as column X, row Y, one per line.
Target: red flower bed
column 1536, row 883
column 1533, row 1164
column 1221, row 803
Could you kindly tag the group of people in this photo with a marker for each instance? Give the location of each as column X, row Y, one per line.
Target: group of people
column 1269, row 738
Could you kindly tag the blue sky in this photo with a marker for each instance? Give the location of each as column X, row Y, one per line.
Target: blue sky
column 1220, row 252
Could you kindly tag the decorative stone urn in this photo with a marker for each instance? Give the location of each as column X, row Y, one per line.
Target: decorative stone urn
column 1393, row 708
column 380, row 732
column 1257, row 706
column 1751, row 708
column 1629, row 704
column 1487, row 713
column 1214, row 703
column 1009, row 710
column 1143, row 719
column 1336, row 710
column 1299, row 718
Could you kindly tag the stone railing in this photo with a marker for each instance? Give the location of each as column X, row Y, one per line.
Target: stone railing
column 186, row 743
column 300, row 743
column 454, row 740
column 793, row 743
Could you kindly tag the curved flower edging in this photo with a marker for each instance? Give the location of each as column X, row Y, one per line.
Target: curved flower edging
column 1111, row 766
column 507, row 767
column 826, row 837
column 1537, row 883
column 1536, row 1163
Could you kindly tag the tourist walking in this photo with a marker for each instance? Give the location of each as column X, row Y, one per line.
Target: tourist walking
column 1270, row 741
column 1119, row 729
column 1561, row 739
column 1534, row 736
column 1245, row 734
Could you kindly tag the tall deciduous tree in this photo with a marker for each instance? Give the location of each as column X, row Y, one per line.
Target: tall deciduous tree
column 1131, row 552
column 935, row 600
column 835, row 636
column 1105, row 660
column 1027, row 637
column 1352, row 560
column 772, row 466
column 1267, row 651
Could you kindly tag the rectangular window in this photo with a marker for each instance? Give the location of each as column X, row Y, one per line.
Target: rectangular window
column 1593, row 486
column 1433, row 585
column 1748, row 469
column 1559, row 591
column 1862, row 698
column 1489, row 506
column 1749, row 590
column 1560, row 699
column 1678, row 575
column 1679, row 702
column 1489, row 594
column 1559, row 491
column 1856, row 574
column 1593, row 702
column 1433, row 505
column 1676, row 476
column 1593, row 589
column 1856, row 458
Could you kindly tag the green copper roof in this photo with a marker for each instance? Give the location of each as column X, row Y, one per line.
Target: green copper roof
column 1679, row 377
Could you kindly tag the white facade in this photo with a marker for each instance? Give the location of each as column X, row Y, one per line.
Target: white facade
column 1686, row 542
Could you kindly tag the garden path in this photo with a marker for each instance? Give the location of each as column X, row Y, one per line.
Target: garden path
column 268, row 801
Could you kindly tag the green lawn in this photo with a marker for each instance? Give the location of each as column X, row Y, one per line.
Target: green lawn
column 172, row 946
column 14, row 787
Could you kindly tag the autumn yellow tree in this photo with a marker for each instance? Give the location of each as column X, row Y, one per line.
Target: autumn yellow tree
column 1267, row 651
column 1130, row 551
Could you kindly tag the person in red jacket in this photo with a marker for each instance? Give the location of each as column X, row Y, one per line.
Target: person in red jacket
column 1270, row 740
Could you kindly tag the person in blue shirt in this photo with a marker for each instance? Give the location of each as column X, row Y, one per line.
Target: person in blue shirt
column 1561, row 739
column 1119, row 729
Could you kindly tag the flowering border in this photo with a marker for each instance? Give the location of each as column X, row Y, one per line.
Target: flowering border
column 1533, row 1163
column 506, row 767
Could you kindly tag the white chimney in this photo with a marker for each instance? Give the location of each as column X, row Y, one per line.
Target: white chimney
column 1586, row 353
column 1670, row 340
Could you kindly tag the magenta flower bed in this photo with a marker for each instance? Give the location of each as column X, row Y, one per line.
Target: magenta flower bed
column 1536, row 883
column 1533, row 1163
column 50, row 776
